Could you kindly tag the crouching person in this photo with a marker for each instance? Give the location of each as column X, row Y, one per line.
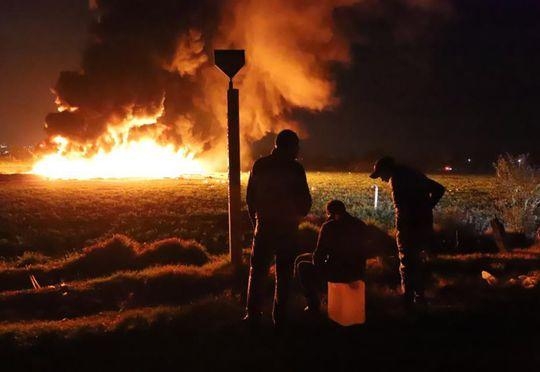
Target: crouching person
column 339, row 257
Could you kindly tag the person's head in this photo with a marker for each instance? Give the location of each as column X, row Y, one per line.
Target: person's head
column 287, row 142
column 335, row 209
column 384, row 169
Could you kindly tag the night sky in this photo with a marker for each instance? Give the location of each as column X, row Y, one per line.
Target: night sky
column 38, row 39
column 428, row 84
column 466, row 85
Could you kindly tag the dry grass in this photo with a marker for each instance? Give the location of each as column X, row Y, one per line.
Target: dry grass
column 122, row 290
column 518, row 261
column 69, row 328
column 141, row 277
column 172, row 250
column 103, row 258
column 28, row 332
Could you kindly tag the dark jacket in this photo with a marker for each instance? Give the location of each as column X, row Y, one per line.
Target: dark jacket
column 414, row 196
column 340, row 252
column 277, row 191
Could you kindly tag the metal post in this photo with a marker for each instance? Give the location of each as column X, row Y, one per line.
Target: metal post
column 376, row 197
column 233, row 134
column 230, row 61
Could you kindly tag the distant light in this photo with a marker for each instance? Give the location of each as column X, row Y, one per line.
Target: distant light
column 448, row 168
column 469, row 160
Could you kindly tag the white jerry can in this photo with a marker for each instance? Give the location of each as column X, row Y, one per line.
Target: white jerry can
column 347, row 302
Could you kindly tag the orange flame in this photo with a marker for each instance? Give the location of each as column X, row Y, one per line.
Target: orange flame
column 144, row 157
column 290, row 48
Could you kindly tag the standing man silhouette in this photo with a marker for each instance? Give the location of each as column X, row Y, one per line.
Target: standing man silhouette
column 414, row 197
column 277, row 198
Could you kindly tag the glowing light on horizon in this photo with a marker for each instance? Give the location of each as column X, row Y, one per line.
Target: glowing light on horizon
column 143, row 157
column 140, row 159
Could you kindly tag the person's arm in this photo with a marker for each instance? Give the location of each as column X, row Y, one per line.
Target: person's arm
column 303, row 196
column 323, row 246
column 398, row 193
column 436, row 192
column 250, row 197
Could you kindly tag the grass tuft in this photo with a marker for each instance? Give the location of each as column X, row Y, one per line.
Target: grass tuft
column 114, row 254
column 109, row 255
column 173, row 251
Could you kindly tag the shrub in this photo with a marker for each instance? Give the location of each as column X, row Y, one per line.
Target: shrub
column 517, row 192
column 173, row 251
column 457, row 230
column 115, row 254
column 106, row 256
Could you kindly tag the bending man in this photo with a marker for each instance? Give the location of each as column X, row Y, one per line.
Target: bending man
column 414, row 197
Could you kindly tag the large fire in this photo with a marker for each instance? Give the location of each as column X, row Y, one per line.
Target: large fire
column 147, row 101
column 143, row 157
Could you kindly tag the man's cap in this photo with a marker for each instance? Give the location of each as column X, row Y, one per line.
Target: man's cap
column 287, row 139
column 383, row 164
column 335, row 206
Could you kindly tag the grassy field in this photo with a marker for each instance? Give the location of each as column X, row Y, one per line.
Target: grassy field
column 134, row 275
column 57, row 217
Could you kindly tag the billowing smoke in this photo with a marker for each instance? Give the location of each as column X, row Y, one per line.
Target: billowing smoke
column 290, row 47
column 147, row 71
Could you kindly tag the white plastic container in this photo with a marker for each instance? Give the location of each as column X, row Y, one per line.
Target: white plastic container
column 347, row 302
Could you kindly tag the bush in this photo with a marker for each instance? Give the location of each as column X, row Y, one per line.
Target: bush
column 109, row 255
column 173, row 251
column 123, row 253
column 115, row 254
column 517, row 193
column 459, row 231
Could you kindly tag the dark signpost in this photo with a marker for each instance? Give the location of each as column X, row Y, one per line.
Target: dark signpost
column 230, row 61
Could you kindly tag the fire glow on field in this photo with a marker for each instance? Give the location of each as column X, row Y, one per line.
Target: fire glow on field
column 140, row 158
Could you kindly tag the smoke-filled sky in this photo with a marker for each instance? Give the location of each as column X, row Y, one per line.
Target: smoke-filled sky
column 420, row 79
